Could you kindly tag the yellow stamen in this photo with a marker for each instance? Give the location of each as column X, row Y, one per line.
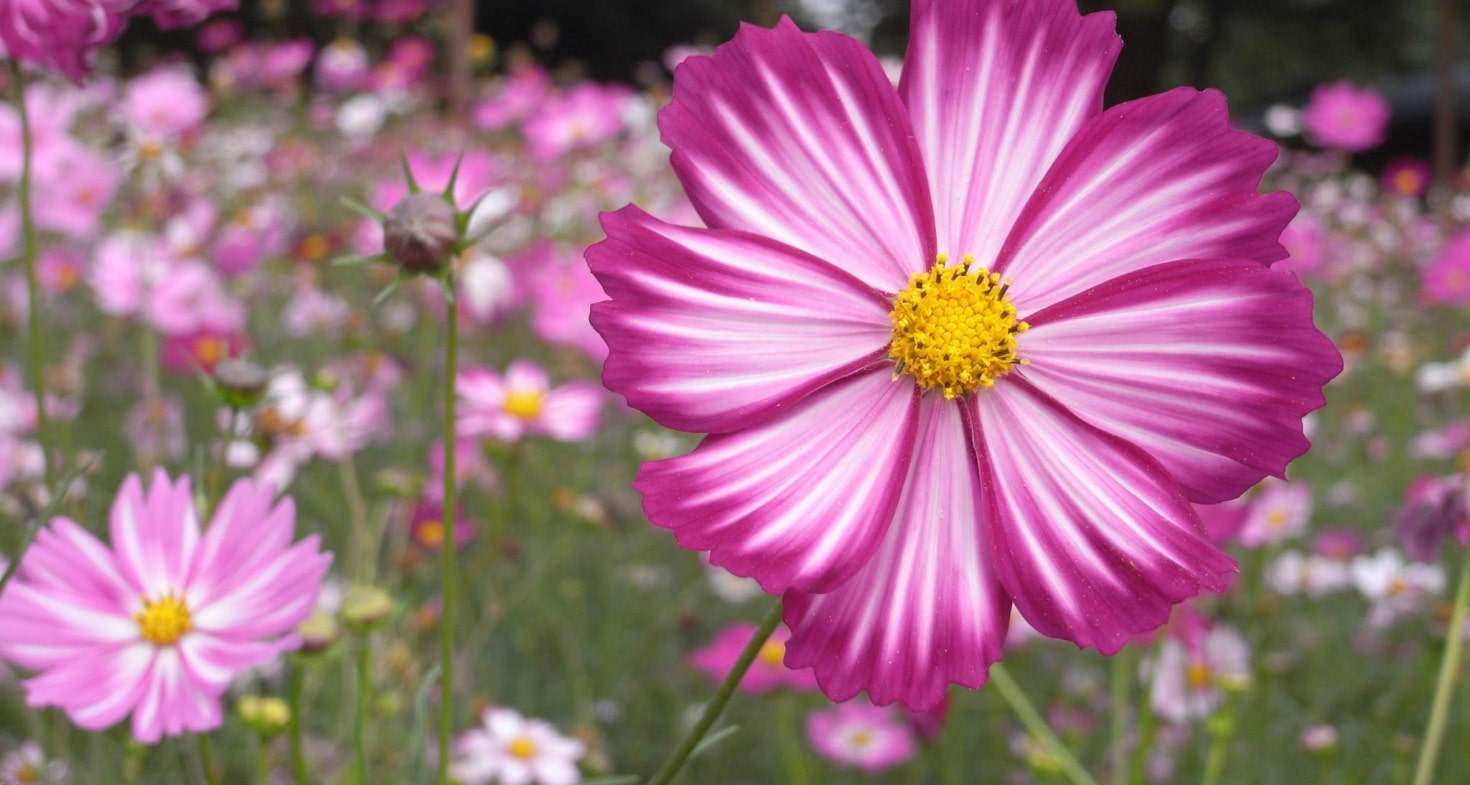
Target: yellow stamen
column 523, row 404
column 430, row 534
column 164, row 621
column 522, row 747
column 954, row 331
column 773, row 653
column 209, row 350
column 862, row 739
column 1275, row 519
column 1197, row 675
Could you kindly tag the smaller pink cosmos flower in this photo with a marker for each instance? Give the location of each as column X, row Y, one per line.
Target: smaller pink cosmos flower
column 1281, row 511
column 519, row 94
column 522, row 402
column 164, row 103
column 160, row 623
column 769, row 670
column 1343, row 117
column 1194, row 664
column 510, row 749
column 859, row 734
column 561, row 292
column 426, row 526
column 1434, row 510
column 1303, row 240
column 1447, row 279
column 1406, row 177
column 584, row 116
column 342, row 66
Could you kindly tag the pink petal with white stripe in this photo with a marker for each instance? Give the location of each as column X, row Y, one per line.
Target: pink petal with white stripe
column 155, row 534
column 800, row 501
column 1155, row 180
column 171, row 704
column 711, row 331
column 1209, row 366
column 1092, row 539
column 96, row 690
column 927, row 610
column 995, row 88
column 801, row 138
column 571, row 412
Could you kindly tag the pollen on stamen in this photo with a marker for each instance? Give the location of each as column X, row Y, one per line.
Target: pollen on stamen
column 954, row 329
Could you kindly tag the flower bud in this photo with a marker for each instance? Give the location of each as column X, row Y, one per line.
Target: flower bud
column 420, row 233
column 266, row 716
column 240, row 383
column 365, row 607
column 319, row 631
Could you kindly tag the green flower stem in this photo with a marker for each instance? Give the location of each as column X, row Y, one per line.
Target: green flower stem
column 1147, row 723
column 33, row 280
column 791, row 747
column 716, row 705
column 366, row 550
column 293, row 698
column 364, row 698
column 1036, row 725
column 1444, row 687
column 1222, row 732
column 1121, row 679
column 206, row 759
column 262, row 760
column 447, row 552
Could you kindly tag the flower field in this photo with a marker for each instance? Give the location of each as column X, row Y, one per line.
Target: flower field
column 331, row 422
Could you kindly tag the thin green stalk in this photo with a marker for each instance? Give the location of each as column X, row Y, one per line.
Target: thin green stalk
column 366, row 550
column 262, row 760
column 1121, row 678
column 791, row 747
column 716, row 705
column 1222, row 732
column 360, row 715
column 293, row 697
column 451, row 498
column 1444, row 687
column 1036, row 725
column 33, row 279
column 206, row 759
column 1146, row 720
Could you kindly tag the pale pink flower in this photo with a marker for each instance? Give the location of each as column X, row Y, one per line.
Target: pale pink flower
column 1135, row 353
column 342, row 66
column 160, row 623
column 1395, row 586
column 861, row 735
column 1293, row 572
column 516, row 96
column 509, row 749
column 561, row 292
column 769, row 670
column 1281, row 511
column 1343, row 117
column 27, row 764
column 73, row 195
column 1192, row 672
column 164, row 103
column 580, row 118
column 523, row 403
column 1447, row 278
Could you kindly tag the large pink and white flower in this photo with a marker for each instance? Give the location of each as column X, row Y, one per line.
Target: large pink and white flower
column 968, row 343
column 161, row 622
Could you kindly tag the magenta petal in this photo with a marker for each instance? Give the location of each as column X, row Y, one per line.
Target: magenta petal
column 154, row 533
column 1091, row 537
column 711, row 331
column 1209, row 366
column 96, row 690
column 927, row 610
column 801, row 138
column 800, row 501
column 995, row 88
column 1155, row 180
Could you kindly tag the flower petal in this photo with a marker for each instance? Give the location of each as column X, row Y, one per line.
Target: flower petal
column 1209, row 366
column 927, row 610
column 799, row 501
column 155, row 534
column 1091, row 537
column 801, row 138
column 995, row 89
column 1155, row 180
column 711, row 331
column 96, row 690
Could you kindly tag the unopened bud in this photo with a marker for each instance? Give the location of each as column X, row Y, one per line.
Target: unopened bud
column 241, row 383
column 420, row 233
column 365, row 607
column 266, row 716
column 319, row 631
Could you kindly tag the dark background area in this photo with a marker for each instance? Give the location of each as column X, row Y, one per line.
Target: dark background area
column 1257, row 51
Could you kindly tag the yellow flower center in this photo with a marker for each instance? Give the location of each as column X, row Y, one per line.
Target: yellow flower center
column 1197, row 675
column 862, row 739
column 209, row 350
column 524, row 405
column 430, row 534
column 164, row 621
column 953, row 330
column 773, row 653
column 1276, row 519
column 28, row 774
column 522, row 747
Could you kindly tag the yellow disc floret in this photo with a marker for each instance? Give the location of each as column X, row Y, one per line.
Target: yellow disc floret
column 953, row 329
column 522, row 747
column 164, row 621
column 524, row 404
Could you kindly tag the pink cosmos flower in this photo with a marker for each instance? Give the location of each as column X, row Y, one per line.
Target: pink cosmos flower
column 861, row 735
column 1281, row 511
column 769, row 670
column 1343, row 117
column 1434, row 510
column 561, row 292
column 161, row 622
column 1406, row 177
column 510, row 749
column 164, row 103
column 174, row 14
column 342, row 66
column 60, row 35
column 518, row 94
column 426, row 525
column 967, row 343
column 1193, row 666
column 584, row 116
column 1447, row 279
column 522, row 403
